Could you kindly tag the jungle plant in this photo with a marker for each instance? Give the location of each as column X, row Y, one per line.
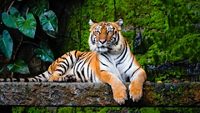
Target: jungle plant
column 24, row 24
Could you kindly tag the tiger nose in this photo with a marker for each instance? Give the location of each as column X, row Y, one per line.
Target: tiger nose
column 102, row 41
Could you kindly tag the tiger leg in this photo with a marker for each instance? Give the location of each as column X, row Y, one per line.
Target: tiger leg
column 136, row 85
column 62, row 65
column 118, row 88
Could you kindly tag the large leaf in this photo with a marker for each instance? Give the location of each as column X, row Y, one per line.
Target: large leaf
column 49, row 23
column 9, row 18
column 44, row 53
column 6, row 44
column 19, row 66
column 27, row 26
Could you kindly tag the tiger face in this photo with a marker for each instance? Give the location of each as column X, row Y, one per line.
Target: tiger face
column 105, row 36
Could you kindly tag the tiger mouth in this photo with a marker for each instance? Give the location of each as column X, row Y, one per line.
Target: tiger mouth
column 102, row 49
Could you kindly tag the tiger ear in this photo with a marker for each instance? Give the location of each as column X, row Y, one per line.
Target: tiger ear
column 91, row 22
column 119, row 22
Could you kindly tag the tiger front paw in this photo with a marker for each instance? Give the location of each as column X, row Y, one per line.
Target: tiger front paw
column 119, row 94
column 135, row 91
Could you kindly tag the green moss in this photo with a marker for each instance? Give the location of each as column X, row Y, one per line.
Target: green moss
column 164, row 36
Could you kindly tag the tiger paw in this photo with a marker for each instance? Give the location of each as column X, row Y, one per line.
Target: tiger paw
column 54, row 77
column 135, row 91
column 119, row 94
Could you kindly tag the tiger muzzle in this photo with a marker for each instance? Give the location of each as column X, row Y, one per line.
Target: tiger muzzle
column 102, row 46
column 102, row 41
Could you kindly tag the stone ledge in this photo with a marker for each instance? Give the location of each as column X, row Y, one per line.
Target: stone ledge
column 88, row 94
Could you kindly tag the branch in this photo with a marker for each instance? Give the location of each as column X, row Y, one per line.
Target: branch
column 10, row 6
column 17, row 48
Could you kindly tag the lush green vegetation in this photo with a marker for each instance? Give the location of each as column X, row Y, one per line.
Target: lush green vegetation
column 22, row 24
column 104, row 110
column 170, row 31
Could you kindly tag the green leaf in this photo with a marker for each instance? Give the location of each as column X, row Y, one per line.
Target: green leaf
column 19, row 66
column 27, row 26
column 9, row 19
column 14, row 12
column 6, row 44
column 44, row 53
column 49, row 23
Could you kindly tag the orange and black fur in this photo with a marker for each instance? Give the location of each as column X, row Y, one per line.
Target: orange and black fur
column 106, row 39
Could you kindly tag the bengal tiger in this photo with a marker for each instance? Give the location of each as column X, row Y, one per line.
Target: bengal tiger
column 109, row 61
column 106, row 39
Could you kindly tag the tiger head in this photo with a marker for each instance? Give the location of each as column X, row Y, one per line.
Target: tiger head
column 106, row 36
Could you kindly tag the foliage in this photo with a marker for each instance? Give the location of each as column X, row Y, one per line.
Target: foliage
column 27, row 26
column 19, row 66
column 105, row 110
column 9, row 18
column 25, row 21
column 38, row 7
column 44, row 53
column 149, row 110
column 49, row 22
column 65, row 110
column 6, row 44
column 168, row 34
column 14, row 20
column 78, row 27
column 37, row 110
column 17, row 109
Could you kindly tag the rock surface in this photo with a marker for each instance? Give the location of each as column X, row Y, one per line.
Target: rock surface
column 88, row 94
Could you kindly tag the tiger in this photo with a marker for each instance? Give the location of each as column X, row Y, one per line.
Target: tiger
column 107, row 40
column 109, row 61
